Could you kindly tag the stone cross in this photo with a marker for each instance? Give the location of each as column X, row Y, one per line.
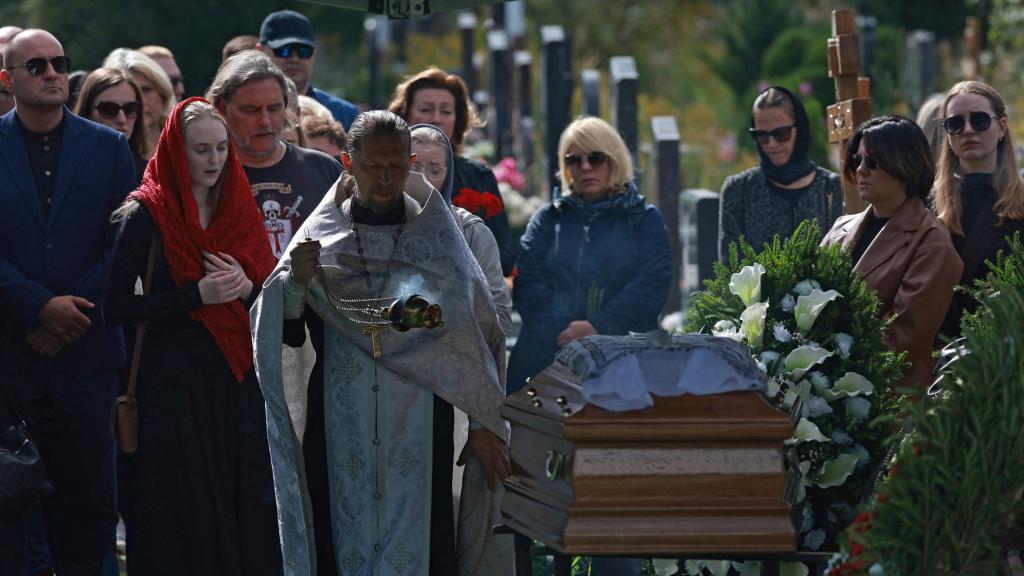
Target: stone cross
column 853, row 104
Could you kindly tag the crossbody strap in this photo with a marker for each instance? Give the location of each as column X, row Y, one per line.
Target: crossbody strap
column 140, row 329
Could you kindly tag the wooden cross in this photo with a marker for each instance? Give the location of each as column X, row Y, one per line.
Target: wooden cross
column 374, row 332
column 853, row 102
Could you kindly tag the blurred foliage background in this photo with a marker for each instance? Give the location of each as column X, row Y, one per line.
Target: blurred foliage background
column 698, row 60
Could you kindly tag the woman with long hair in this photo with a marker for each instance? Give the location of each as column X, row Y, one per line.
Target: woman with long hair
column 978, row 191
column 203, row 496
column 111, row 97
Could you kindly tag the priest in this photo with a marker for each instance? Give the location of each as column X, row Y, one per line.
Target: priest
column 383, row 397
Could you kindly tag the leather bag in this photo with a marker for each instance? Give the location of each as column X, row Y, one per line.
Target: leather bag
column 126, row 407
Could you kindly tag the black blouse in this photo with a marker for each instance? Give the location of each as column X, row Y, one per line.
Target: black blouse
column 177, row 350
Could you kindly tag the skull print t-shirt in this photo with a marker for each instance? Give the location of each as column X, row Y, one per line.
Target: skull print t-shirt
column 288, row 191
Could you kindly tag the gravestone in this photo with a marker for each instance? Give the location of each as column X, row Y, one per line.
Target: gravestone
column 919, row 67
column 624, row 111
column 590, row 82
column 698, row 233
column 523, row 61
column 668, row 183
column 467, row 25
column 501, row 92
column 556, row 94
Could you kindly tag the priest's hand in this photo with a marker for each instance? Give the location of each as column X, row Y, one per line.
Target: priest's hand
column 305, row 258
column 575, row 330
column 492, row 453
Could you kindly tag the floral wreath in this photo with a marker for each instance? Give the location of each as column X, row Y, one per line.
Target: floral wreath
column 813, row 327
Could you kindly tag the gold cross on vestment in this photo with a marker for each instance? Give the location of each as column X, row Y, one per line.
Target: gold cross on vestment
column 374, row 333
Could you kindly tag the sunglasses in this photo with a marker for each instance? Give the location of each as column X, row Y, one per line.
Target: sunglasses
column 176, row 80
column 593, row 158
column 980, row 121
column 304, row 51
column 871, row 163
column 37, row 66
column 781, row 134
column 109, row 110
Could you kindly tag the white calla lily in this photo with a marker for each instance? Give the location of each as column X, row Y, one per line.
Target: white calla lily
column 752, row 323
column 850, row 384
column 810, row 306
column 807, row 431
column 726, row 329
column 747, row 284
column 836, row 471
column 802, row 358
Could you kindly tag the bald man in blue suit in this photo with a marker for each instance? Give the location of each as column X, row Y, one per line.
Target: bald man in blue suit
column 60, row 178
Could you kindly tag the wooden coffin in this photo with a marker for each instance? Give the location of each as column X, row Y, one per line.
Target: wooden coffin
column 692, row 474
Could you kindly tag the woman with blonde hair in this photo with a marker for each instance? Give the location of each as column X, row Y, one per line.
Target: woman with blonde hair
column 157, row 92
column 978, row 191
column 594, row 261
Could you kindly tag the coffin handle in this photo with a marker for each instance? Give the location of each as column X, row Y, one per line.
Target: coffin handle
column 555, row 465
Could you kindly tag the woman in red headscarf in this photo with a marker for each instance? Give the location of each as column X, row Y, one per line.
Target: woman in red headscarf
column 202, row 499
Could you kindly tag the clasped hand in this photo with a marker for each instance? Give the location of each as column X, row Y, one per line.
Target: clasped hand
column 225, row 279
column 492, row 453
column 61, row 322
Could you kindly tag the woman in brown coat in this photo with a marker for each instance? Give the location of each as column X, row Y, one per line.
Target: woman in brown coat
column 903, row 251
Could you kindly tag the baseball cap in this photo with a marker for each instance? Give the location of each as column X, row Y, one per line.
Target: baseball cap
column 286, row 27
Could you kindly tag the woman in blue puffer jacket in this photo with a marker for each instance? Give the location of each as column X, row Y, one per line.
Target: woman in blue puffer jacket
column 594, row 261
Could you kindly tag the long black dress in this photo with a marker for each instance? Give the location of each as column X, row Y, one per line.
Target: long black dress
column 203, row 491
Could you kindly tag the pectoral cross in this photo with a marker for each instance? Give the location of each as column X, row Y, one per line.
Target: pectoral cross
column 374, row 332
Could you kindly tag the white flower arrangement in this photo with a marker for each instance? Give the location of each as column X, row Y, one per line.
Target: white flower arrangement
column 812, row 327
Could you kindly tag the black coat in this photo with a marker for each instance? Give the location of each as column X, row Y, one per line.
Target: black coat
column 474, row 175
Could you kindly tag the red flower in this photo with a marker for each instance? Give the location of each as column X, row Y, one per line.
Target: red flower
column 483, row 204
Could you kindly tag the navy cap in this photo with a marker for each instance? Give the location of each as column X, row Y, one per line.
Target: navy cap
column 286, row 27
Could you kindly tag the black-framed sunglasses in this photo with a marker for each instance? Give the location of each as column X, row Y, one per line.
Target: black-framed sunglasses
column 37, row 66
column 176, row 80
column 593, row 158
column 870, row 162
column 109, row 110
column 781, row 134
column 980, row 121
column 304, row 51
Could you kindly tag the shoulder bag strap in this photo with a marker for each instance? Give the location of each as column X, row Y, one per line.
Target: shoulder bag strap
column 140, row 330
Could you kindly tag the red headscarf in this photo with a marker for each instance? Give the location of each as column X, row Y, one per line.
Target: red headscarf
column 236, row 229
